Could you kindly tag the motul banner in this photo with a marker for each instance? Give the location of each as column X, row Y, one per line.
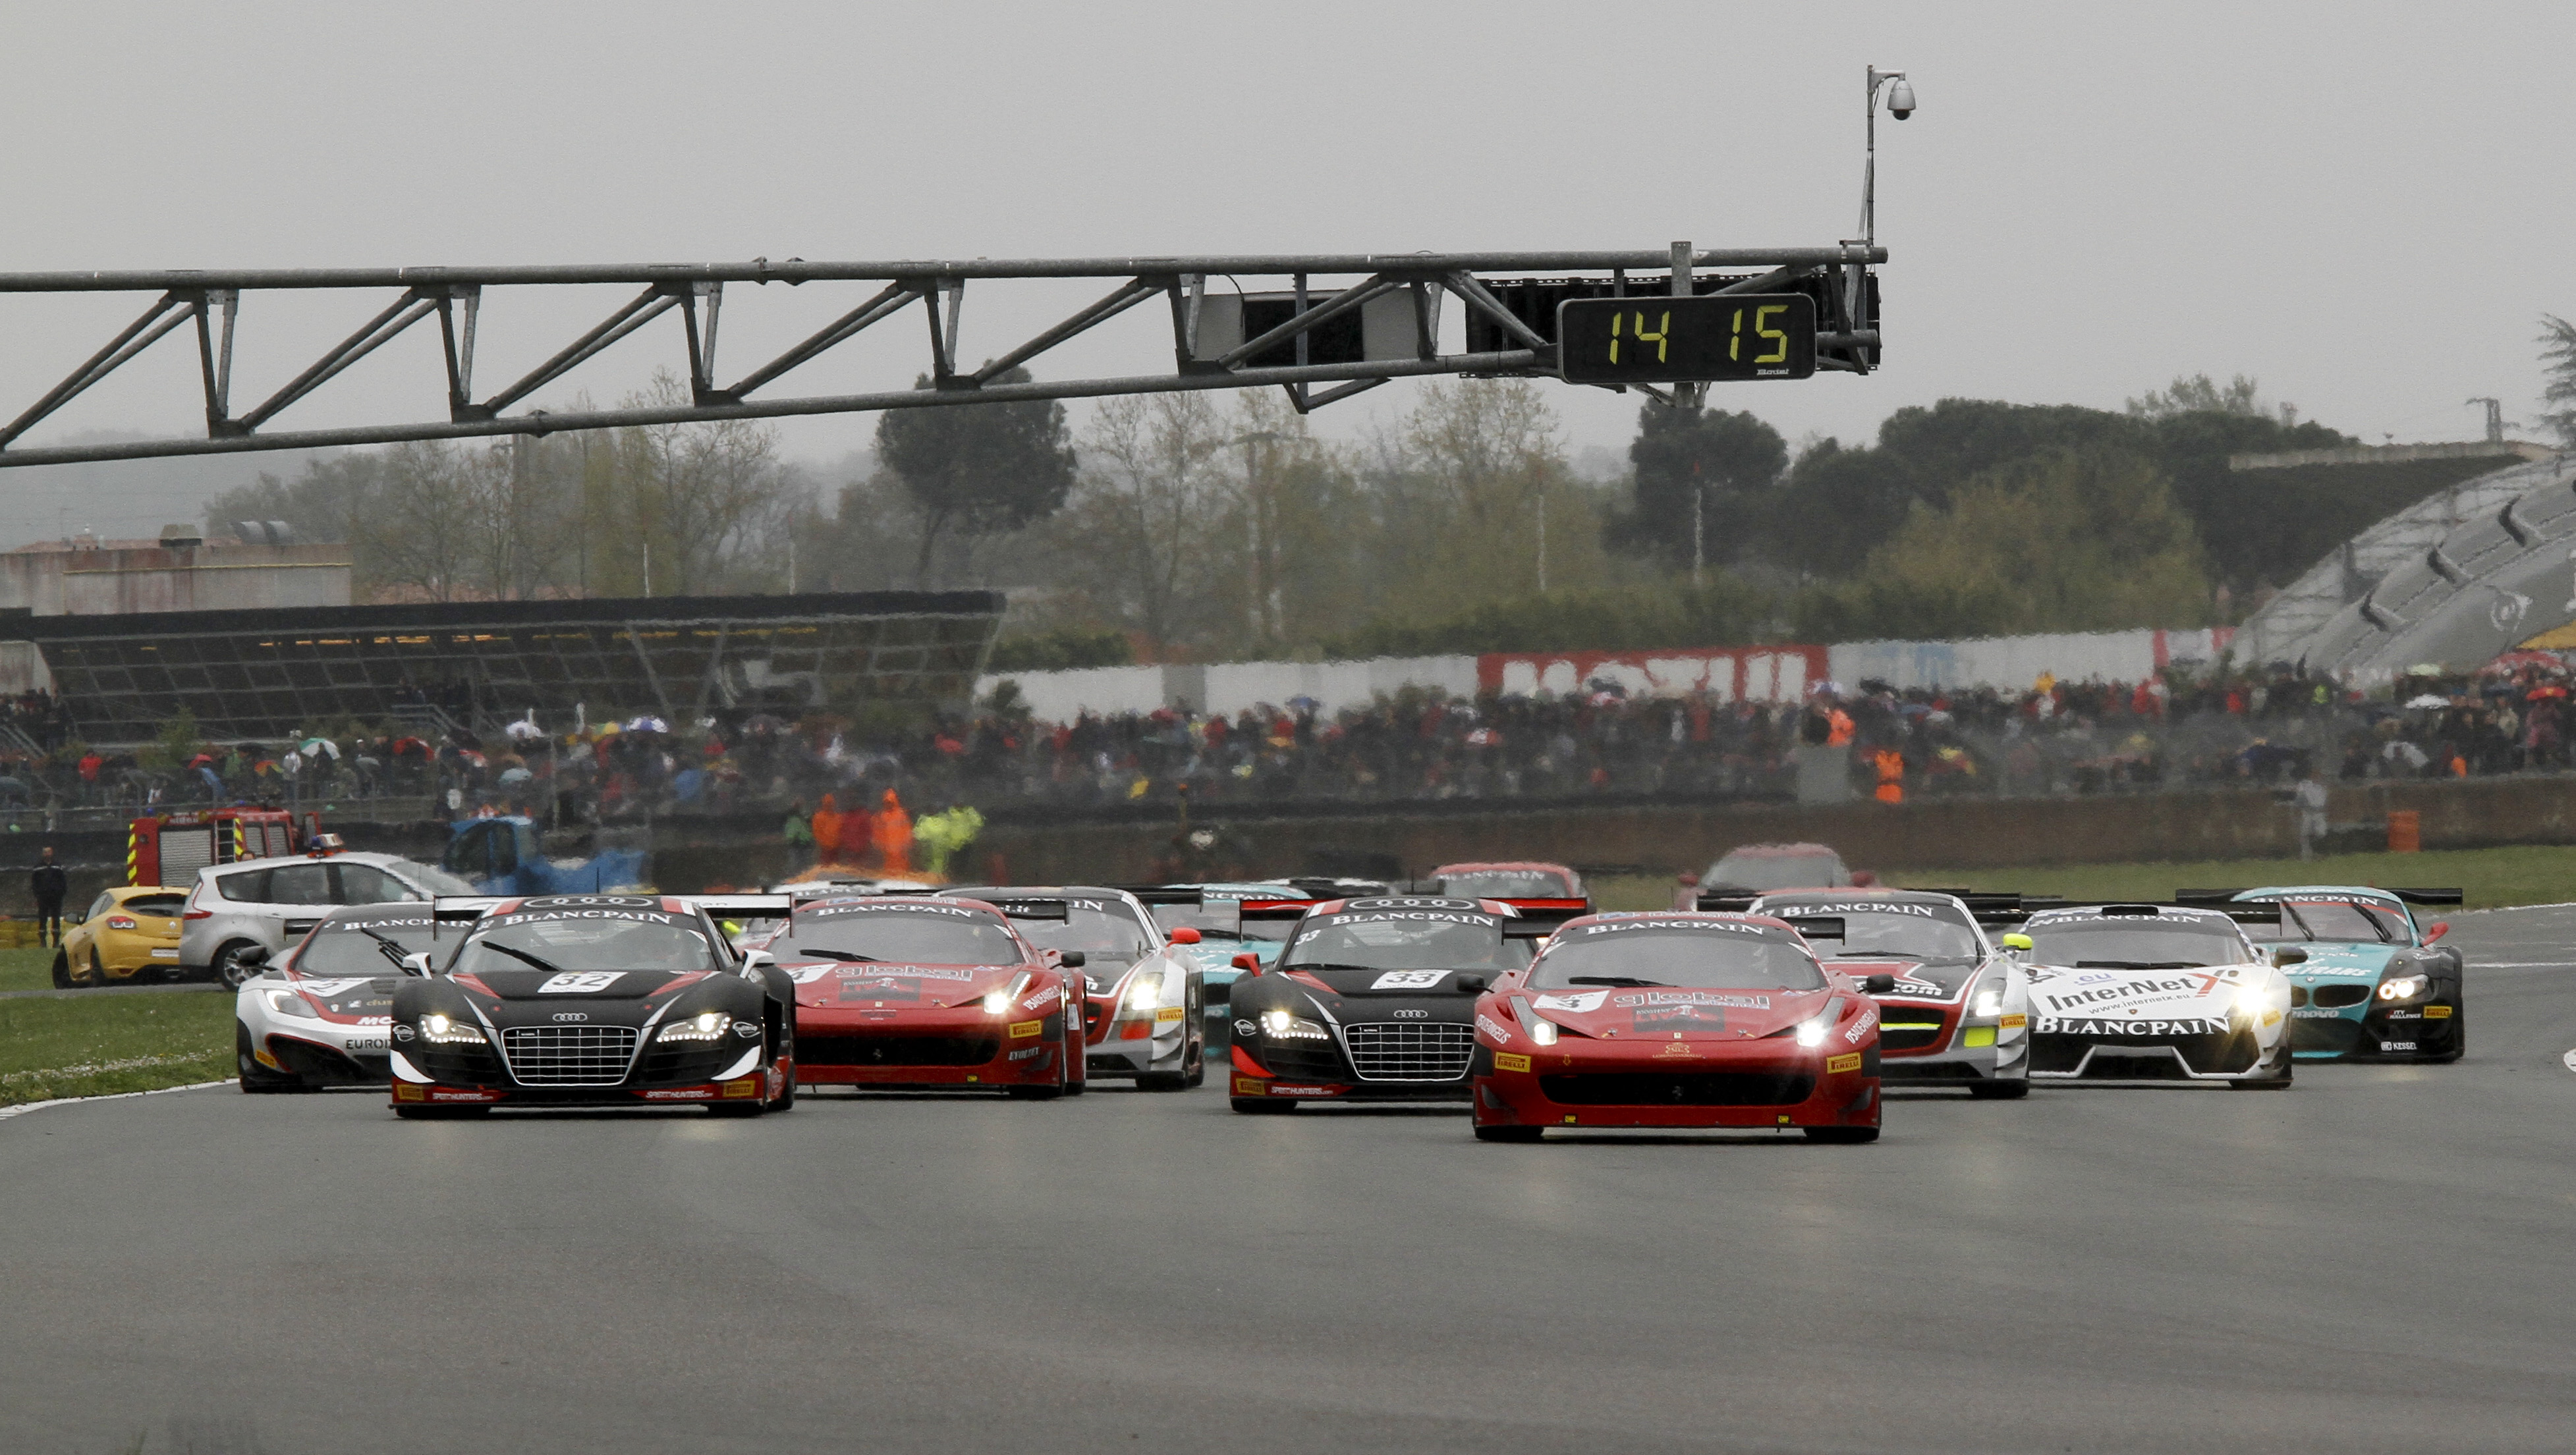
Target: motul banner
column 1728, row 674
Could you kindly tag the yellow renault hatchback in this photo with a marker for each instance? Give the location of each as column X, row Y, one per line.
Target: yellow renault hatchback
column 130, row 936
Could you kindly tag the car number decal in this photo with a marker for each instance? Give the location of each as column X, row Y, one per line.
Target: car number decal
column 1408, row 980
column 580, row 982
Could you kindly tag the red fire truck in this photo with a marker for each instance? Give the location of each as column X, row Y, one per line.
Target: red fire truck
column 170, row 848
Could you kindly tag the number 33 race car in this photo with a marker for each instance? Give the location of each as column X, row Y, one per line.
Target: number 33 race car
column 591, row 1000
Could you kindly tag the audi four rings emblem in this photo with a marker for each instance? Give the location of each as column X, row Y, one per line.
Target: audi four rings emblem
column 1413, row 1015
column 572, row 1015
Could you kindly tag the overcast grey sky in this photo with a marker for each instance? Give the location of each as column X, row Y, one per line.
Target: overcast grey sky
column 2365, row 206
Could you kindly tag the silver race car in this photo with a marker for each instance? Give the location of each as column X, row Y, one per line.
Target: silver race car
column 2157, row 992
column 322, row 1015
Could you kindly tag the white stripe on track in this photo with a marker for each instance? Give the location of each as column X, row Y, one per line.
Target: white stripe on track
column 7, row 1112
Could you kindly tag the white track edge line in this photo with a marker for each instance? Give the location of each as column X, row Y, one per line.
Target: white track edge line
column 23, row 1108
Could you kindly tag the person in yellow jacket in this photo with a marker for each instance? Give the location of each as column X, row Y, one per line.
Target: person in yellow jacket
column 944, row 835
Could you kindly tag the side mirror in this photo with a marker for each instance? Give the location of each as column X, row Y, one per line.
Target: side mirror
column 251, row 956
column 2289, row 955
column 1071, row 959
column 1185, row 935
column 1472, row 984
column 1248, row 962
column 2439, row 929
column 2017, row 943
column 754, row 961
column 1878, row 984
column 416, row 963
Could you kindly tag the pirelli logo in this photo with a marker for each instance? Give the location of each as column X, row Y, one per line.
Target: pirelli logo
column 1506, row 1061
column 1022, row 1030
column 1837, row 1065
column 2437, row 1012
column 2015, row 1022
column 1168, row 1014
column 1246, row 1086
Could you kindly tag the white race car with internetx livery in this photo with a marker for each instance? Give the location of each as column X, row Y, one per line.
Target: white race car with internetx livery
column 2156, row 992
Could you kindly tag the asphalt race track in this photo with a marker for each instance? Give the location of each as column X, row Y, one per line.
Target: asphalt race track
column 2379, row 1259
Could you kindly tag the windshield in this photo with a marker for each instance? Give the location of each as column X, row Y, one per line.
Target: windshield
column 913, row 935
column 2115, row 944
column 1507, row 884
column 343, row 947
column 436, row 881
column 1102, row 933
column 1405, row 940
column 1222, row 920
column 158, row 904
column 587, row 939
column 2354, row 923
column 1911, row 931
column 1694, row 959
column 1776, row 871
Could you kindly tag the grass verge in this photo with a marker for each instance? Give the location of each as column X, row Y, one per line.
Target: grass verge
column 2490, row 878
column 28, row 969
column 83, row 1047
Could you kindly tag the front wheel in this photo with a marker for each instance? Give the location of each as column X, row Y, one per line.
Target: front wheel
column 62, row 971
column 255, row 1078
column 2459, row 1038
column 1846, row 1135
column 1261, row 1106
column 1999, row 1090
column 1509, row 1134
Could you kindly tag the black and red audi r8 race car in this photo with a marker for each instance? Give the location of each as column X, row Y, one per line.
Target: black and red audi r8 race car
column 1678, row 1019
column 591, row 1000
column 931, row 994
column 1373, row 1000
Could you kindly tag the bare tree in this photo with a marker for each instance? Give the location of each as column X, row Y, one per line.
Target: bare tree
column 1144, row 519
column 426, row 524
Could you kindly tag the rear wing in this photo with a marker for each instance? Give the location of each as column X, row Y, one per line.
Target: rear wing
column 2430, row 898
column 742, row 906
column 1539, row 918
column 1016, row 906
column 2265, row 913
column 1991, row 908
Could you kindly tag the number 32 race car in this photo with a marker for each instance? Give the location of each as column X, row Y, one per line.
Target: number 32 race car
column 1678, row 1019
column 591, row 1000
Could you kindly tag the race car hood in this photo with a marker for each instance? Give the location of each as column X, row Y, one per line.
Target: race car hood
column 2329, row 961
column 2068, row 1000
column 578, row 987
column 1613, row 1013
column 836, row 983
column 1915, row 979
column 1376, row 983
column 346, row 997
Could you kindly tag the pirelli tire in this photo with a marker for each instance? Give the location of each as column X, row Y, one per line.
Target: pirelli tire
column 441, row 1113
column 1848, row 1135
column 1509, row 1134
column 2012, row 1090
column 2459, row 1039
column 257, row 1079
column 1193, row 1072
column 1261, row 1106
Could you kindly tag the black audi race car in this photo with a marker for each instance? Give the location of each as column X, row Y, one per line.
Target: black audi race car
column 592, row 1000
column 1374, row 1000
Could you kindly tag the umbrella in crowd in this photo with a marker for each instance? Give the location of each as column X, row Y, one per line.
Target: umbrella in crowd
column 2429, row 699
column 313, row 747
column 647, row 725
column 515, row 775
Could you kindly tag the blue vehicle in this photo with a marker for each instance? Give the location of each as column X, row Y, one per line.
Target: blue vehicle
column 505, row 854
column 2376, row 985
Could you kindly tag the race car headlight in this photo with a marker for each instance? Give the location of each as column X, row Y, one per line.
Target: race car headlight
column 1990, row 1003
column 998, row 1002
column 1280, row 1025
column 287, row 1002
column 2254, row 1000
column 2404, row 987
column 706, row 1025
column 1542, row 1032
column 1147, row 992
column 443, row 1030
column 1812, row 1032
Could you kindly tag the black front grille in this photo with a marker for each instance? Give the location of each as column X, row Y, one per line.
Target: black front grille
column 813, row 1050
column 2339, row 995
column 1679, row 1088
column 1410, row 1050
column 1910, row 1027
column 1299, row 1060
column 2140, row 1058
column 2327, row 1033
column 467, row 1065
column 569, row 1055
column 2298, row 996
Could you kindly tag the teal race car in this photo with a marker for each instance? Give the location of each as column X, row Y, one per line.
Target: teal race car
column 2376, row 984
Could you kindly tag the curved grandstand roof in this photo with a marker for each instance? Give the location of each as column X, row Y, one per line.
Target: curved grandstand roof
column 2456, row 578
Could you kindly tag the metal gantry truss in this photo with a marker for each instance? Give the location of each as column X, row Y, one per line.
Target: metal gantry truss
column 212, row 302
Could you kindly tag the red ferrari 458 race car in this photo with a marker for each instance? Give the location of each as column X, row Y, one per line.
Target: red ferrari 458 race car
column 905, row 990
column 1677, row 1019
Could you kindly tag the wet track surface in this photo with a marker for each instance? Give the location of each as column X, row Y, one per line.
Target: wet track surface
column 2380, row 1259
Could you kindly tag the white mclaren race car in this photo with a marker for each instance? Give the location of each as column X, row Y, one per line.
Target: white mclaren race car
column 2156, row 992
column 322, row 1014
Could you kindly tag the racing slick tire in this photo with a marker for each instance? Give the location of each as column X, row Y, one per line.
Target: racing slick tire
column 1509, row 1134
column 2459, row 1039
column 440, row 1113
column 740, row 1109
column 228, row 970
column 1852, row 1135
column 256, row 1079
column 62, row 971
column 1035, row 1093
column 1999, row 1090
column 1260, row 1106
